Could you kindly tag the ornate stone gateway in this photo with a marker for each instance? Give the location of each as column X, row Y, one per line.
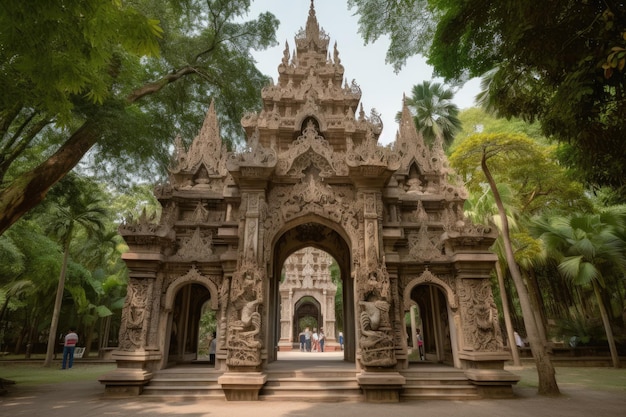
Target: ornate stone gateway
column 312, row 175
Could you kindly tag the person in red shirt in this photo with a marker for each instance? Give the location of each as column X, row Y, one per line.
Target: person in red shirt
column 71, row 338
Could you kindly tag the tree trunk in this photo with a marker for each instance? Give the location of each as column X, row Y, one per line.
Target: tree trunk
column 545, row 369
column 507, row 317
column 89, row 331
column 31, row 188
column 54, row 323
column 607, row 327
column 537, row 303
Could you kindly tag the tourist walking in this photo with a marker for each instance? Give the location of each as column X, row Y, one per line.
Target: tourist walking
column 322, row 339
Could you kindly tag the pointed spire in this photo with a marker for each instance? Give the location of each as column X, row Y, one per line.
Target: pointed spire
column 286, row 56
column 210, row 128
column 206, row 148
column 408, row 131
column 336, row 55
column 312, row 37
column 312, row 27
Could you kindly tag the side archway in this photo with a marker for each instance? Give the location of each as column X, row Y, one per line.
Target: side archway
column 183, row 304
column 439, row 317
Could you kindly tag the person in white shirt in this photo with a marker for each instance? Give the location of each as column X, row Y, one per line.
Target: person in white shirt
column 71, row 339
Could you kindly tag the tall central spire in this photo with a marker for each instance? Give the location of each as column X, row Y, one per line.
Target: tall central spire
column 312, row 27
column 312, row 37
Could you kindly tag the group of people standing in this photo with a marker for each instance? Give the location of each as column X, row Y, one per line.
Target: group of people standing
column 312, row 341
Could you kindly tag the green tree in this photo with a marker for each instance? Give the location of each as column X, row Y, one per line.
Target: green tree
column 561, row 64
column 588, row 251
column 476, row 154
column 118, row 78
column 433, row 111
column 24, row 313
column 81, row 212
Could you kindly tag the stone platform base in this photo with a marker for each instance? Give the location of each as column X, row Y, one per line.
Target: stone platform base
column 383, row 387
column 242, row 386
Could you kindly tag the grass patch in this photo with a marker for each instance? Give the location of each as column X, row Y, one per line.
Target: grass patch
column 28, row 374
column 586, row 377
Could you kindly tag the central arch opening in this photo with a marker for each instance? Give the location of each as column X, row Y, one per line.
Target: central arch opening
column 312, row 293
column 311, row 311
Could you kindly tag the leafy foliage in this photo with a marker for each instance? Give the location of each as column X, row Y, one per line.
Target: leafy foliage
column 434, row 113
column 561, row 64
column 524, row 165
column 121, row 80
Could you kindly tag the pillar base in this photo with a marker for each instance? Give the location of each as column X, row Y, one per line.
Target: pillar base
column 381, row 387
column 486, row 371
column 243, row 386
column 132, row 373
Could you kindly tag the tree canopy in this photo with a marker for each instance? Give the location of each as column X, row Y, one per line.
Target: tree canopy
column 119, row 80
column 561, row 63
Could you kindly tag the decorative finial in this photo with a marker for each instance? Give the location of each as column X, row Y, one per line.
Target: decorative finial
column 336, row 55
column 312, row 27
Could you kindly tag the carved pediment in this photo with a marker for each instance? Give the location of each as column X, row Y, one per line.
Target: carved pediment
column 310, row 149
column 197, row 247
column 370, row 153
column 256, row 155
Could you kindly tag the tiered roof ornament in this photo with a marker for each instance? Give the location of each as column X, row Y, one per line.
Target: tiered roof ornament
column 205, row 159
column 311, row 86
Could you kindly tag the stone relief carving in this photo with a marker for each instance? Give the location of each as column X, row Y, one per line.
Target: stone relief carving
column 144, row 224
column 375, row 330
column 310, row 149
column 480, row 325
column 369, row 152
column 244, row 317
column 198, row 246
column 423, row 247
column 253, row 156
column 134, row 315
column 285, row 203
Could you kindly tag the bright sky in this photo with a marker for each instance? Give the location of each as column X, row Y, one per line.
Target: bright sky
column 382, row 88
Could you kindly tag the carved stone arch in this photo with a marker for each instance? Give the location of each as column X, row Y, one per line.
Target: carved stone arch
column 313, row 230
column 302, row 119
column 191, row 277
column 406, row 169
column 428, row 277
column 303, row 299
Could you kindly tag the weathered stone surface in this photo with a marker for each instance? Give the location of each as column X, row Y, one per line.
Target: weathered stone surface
column 312, row 175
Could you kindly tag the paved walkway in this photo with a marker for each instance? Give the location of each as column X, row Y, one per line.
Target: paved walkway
column 86, row 399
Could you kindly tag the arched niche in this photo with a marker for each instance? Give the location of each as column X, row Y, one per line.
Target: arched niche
column 193, row 276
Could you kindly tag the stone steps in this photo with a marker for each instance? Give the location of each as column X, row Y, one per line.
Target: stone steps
column 185, row 382
column 431, row 384
column 312, row 385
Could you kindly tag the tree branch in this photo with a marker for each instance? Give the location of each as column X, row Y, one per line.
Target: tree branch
column 157, row 86
column 31, row 188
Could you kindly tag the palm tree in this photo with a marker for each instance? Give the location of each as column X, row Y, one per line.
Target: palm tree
column 434, row 113
column 82, row 213
column 589, row 250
